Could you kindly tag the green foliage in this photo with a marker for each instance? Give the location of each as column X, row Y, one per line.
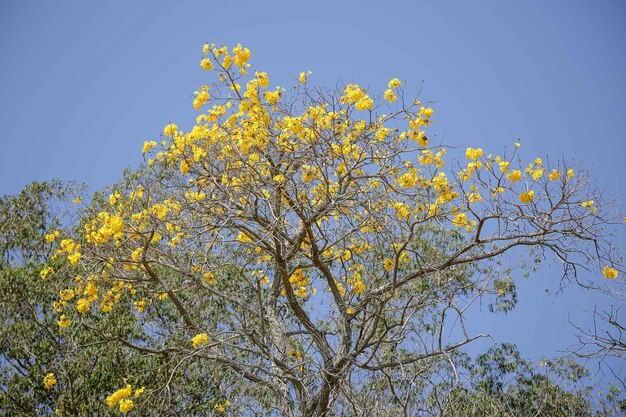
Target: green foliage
column 89, row 361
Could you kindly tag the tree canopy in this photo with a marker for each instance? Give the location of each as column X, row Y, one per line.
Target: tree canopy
column 307, row 251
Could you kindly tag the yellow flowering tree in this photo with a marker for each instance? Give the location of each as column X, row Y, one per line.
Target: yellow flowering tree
column 309, row 240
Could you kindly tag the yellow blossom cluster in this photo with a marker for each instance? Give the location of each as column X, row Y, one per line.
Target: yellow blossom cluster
column 49, row 381
column 354, row 279
column 103, row 228
column 527, row 197
column 121, row 398
column 610, row 273
column 221, row 406
column 589, row 204
column 63, row 321
column 70, row 248
column 86, row 292
column 45, row 271
column 299, row 280
column 209, row 278
column 535, row 169
column 200, row 339
column 52, row 236
column 304, row 77
column 353, row 94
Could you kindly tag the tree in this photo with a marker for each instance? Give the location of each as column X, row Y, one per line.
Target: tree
column 313, row 243
column 43, row 368
column 503, row 384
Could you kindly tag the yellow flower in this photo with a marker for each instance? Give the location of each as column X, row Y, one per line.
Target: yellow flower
column 298, row 278
column 126, row 405
column 474, row 198
column 242, row 237
column 352, row 93
column 609, row 273
column 139, row 391
column 309, row 173
column 426, row 112
column 394, row 83
column 263, row 79
column 51, row 237
column 194, row 196
column 589, row 205
column 73, row 258
column 64, row 321
column 91, row 291
column 200, row 339
column 404, row 257
column 221, row 407
column 202, row 96
column 170, row 129
column 49, row 381
column 141, row 305
column 206, row 64
column 272, row 96
column 460, row 220
column 409, row 179
column 227, row 61
column 119, row 395
column 473, row 154
column 554, row 175
column 514, row 176
column 44, row 272
column 538, row 173
column 147, row 145
column 137, row 254
column 209, row 278
column 402, row 210
column 527, row 197
column 303, row 77
column 300, row 292
column 106, row 306
column 242, row 55
column 114, row 197
column 570, row 173
column 420, row 137
column 388, row 264
column 66, row 294
column 364, row 103
column 390, row 96
column 83, row 305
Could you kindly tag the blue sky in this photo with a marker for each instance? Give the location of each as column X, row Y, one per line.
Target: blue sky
column 83, row 84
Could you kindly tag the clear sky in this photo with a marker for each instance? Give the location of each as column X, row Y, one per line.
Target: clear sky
column 84, row 83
